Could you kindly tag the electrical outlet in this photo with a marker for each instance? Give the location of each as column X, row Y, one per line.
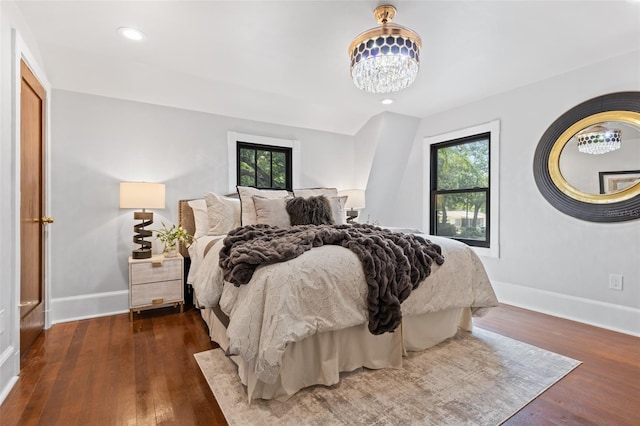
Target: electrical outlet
column 615, row 282
column 2, row 321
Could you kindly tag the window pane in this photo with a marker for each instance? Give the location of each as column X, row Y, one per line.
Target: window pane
column 247, row 155
column 247, row 167
column 462, row 215
column 463, row 166
column 279, row 170
column 246, row 180
column 264, row 166
column 263, row 169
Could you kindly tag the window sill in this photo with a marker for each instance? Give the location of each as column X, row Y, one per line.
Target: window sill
column 492, row 252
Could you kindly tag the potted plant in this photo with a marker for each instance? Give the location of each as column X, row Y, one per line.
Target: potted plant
column 171, row 236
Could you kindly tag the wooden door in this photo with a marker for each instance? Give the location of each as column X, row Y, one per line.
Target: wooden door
column 32, row 218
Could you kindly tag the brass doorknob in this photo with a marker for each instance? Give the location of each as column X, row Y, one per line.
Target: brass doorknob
column 46, row 220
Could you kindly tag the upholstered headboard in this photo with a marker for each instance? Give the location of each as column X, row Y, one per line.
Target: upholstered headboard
column 186, row 219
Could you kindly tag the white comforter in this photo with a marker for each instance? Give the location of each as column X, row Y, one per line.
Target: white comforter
column 324, row 289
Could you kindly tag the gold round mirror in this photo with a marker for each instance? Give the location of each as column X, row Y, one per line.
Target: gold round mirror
column 587, row 163
column 594, row 174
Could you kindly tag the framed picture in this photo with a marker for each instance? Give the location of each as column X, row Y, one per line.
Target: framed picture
column 611, row 182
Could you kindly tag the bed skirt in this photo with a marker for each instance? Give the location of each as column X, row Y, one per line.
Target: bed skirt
column 320, row 358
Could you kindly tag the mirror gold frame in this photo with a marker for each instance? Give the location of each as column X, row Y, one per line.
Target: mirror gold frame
column 554, row 159
column 615, row 207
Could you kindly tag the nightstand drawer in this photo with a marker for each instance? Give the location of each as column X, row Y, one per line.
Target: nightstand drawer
column 156, row 293
column 149, row 272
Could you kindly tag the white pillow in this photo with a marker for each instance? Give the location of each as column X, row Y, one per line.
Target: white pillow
column 314, row 192
column 200, row 218
column 223, row 213
column 272, row 211
column 337, row 209
column 246, row 194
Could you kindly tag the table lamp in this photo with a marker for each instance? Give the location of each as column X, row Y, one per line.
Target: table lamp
column 142, row 195
column 355, row 201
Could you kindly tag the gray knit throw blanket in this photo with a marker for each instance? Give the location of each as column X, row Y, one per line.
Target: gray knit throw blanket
column 393, row 263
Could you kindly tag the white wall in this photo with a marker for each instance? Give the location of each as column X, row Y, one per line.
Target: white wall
column 549, row 261
column 382, row 148
column 6, row 269
column 99, row 142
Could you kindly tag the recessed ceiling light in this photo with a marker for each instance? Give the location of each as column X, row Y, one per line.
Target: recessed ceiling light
column 131, row 33
column 387, row 101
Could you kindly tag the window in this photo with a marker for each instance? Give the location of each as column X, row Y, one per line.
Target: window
column 256, row 167
column 462, row 191
column 263, row 166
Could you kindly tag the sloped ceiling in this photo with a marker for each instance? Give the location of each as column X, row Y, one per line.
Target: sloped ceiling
column 286, row 62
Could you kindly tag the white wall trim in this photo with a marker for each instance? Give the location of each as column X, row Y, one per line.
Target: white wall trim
column 5, row 391
column 7, row 362
column 65, row 309
column 492, row 127
column 233, row 137
column 21, row 52
column 618, row 318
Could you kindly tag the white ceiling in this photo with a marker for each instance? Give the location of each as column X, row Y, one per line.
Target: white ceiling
column 286, row 62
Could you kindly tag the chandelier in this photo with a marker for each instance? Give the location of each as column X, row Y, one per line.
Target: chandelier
column 386, row 58
column 598, row 140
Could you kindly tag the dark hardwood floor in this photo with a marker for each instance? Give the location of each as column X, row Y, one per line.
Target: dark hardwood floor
column 603, row 390
column 109, row 371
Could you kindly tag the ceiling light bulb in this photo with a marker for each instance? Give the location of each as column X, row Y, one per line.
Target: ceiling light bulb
column 387, row 101
column 131, row 33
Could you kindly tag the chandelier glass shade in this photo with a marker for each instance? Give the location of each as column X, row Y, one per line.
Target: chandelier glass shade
column 386, row 58
column 599, row 140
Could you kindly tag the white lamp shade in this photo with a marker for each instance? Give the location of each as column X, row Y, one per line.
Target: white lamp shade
column 141, row 195
column 355, row 198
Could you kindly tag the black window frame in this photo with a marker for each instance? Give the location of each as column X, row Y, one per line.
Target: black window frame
column 433, row 214
column 272, row 149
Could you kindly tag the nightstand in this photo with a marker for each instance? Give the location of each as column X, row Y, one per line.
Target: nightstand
column 155, row 282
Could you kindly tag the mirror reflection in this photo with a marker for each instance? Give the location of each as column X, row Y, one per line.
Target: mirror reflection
column 603, row 158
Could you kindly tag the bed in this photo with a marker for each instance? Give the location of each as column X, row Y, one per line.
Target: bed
column 282, row 343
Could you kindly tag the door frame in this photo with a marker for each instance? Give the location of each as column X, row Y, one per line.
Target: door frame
column 21, row 52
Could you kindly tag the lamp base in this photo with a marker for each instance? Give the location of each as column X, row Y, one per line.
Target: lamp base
column 141, row 253
column 144, row 252
column 351, row 215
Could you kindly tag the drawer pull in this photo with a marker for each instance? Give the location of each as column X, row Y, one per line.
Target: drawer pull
column 157, row 301
column 156, row 264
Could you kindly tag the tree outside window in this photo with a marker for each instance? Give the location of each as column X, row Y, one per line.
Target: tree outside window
column 263, row 166
column 460, row 194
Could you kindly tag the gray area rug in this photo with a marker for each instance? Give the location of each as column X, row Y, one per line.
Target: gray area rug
column 478, row 378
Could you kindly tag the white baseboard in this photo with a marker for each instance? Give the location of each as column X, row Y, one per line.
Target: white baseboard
column 8, row 372
column 64, row 309
column 618, row 318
